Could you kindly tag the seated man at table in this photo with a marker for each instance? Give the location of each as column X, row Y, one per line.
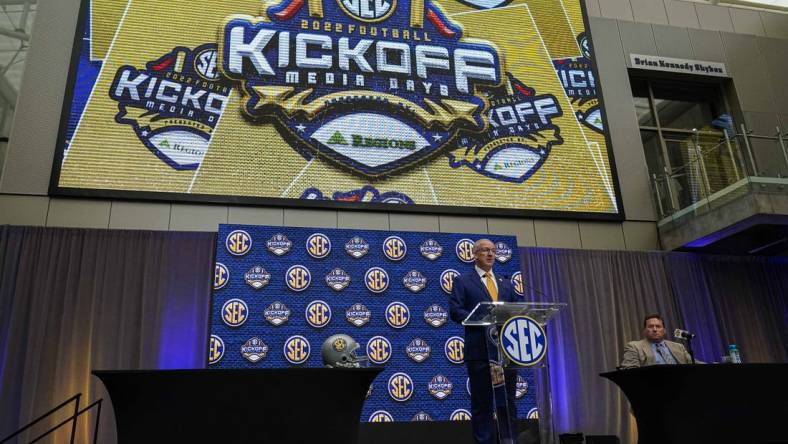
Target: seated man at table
column 653, row 349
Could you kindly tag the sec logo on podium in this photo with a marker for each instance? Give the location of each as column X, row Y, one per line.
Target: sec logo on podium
column 523, row 341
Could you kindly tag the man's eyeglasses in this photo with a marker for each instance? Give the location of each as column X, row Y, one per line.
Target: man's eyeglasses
column 486, row 250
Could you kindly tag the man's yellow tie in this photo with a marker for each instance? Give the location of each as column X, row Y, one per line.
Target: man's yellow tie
column 491, row 286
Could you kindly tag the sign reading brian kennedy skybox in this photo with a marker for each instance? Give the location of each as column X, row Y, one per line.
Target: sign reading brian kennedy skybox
column 686, row 66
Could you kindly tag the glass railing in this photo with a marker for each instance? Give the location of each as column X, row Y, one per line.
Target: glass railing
column 719, row 168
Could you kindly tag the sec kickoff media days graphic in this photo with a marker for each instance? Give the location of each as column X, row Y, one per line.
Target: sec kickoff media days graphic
column 383, row 101
column 314, row 291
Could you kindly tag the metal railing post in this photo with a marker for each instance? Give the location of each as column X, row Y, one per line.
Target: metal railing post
column 704, row 178
column 730, row 153
column 673, row 201
column 745, row 135
column 659, row 197
column 782, row 145
column 76, row 414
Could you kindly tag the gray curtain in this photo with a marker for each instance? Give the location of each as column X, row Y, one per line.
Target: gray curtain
column 733, row 300
column 75, row 300
column 607, row 293
column 723, row 299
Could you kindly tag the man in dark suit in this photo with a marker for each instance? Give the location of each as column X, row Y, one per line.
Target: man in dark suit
column 482, row 285
column 653, row 349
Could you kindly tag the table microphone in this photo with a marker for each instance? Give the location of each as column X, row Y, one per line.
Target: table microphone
column 683, row 334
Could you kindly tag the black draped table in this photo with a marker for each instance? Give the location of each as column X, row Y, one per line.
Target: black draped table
column 715, row 403
column 288, row 405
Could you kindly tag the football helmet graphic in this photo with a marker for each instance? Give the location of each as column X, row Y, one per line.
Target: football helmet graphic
column 340, row 351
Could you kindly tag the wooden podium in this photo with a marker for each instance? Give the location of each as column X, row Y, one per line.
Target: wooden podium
column 285, row 405
column 715, row 403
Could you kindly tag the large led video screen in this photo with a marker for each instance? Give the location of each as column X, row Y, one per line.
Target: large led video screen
column 437, row 105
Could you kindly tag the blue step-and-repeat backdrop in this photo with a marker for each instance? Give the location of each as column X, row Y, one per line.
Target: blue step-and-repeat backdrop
column 279, row 292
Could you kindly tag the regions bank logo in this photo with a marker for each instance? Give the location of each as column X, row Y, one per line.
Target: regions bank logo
column 324, row 70
column 520, row 136
column 173, row 104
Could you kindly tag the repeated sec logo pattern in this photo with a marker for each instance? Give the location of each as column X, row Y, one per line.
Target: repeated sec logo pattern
column 268, row 311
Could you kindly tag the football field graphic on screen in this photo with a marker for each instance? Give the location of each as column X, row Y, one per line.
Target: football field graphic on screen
column 375, row 101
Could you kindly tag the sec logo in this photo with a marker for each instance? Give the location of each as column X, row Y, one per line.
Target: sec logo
column 376, row 279
column 533, row 414
column 397, row 314
column 400, row 387
column 460, row 415
column 378, row 349
column 205, row 64
column 235, row 312
column 523, row 341
column 381, row 416
column 318, row 245
column 215, row 349
column 238, row 242
column 220, row 276
column 298, row 278
column 447, row 280
column 521, row 387
column 455, row 349
column 517, row 283
column 394, row 248
column 296, row 349
column 318, row 314
column 464, row 250
column 368, row 11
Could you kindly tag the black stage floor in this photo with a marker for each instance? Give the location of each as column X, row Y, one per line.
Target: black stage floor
column 434, row 432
